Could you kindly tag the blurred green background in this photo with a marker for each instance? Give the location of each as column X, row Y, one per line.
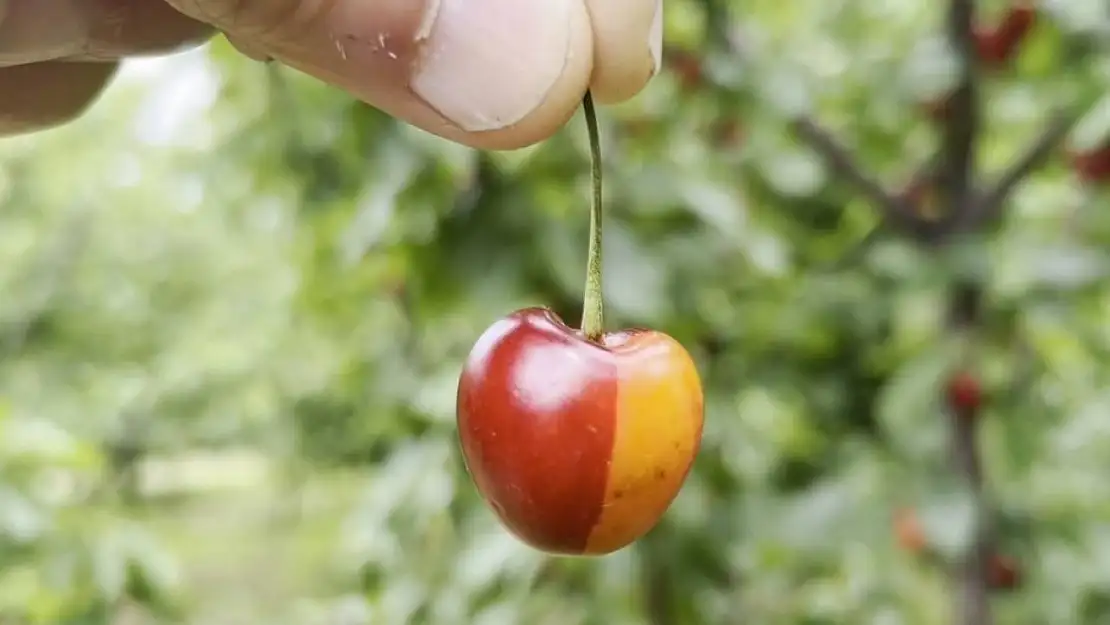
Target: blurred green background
column 234, row 304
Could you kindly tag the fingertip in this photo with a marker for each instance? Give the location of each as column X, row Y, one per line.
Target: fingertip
column 628, row 41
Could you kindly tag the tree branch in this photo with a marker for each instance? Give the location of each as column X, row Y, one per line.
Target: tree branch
column 974, row 604
column 988, row 210
column 962, row 127
column 974, row 600
column 927, row 173
column 957, row 188
column 897, row 212
column 952, row 173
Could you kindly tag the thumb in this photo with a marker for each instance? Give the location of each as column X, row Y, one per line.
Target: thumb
column 491, row 74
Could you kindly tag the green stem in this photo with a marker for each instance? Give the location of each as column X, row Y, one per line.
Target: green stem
column 593, row 317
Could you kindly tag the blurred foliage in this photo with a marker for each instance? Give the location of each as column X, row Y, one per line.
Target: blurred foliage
column 235, row 303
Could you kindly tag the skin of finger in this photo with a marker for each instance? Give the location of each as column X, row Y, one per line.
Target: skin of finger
column 370, row 50
column 42, row 95
column 41, row 30
column 45, row 30
column 624, row 38
column 126, row 28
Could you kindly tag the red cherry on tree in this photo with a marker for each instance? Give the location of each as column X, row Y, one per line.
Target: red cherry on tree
column 922, row 195
column 579, row 440
column 727, row 133
column 1017, row 24
column 965, row 393
column 688, row 69
column 938, row 109
column 909, row 532
column 991, row 48
column 997, row 46
column 1093, row 166
column 1003, row 573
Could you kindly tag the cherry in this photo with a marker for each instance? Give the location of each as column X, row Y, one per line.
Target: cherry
column 727, row 133
column 999, row 45
column 922, row 196
column 964, row 393
column 937, row 109
column 579, row 440
column 687, row 68
column 1018, row 23
column 638, row 127
column 995, row 46
column 1003, row 573
column 992, row 49
column 579, row 446
column 908, row 531
column 1093, row 166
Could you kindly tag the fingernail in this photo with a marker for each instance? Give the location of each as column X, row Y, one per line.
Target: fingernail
column 486, row 64
column 655, row 37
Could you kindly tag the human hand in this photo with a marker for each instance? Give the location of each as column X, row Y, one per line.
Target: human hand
column 491, row 74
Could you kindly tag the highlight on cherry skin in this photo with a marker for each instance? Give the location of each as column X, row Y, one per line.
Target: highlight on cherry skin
column 579, row 447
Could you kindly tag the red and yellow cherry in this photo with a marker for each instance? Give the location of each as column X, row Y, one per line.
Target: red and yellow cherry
column 578, row 446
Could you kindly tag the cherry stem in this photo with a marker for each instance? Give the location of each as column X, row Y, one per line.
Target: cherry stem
column 593, row 316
